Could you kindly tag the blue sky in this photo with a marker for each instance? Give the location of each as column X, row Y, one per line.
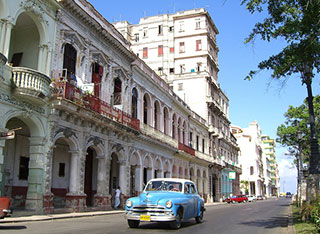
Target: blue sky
column 261, row 99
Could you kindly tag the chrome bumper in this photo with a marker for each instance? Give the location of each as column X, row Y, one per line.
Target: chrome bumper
column 153, row 218
column 7, row 211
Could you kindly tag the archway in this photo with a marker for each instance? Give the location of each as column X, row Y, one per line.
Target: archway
column 24, row 43
column 134, row 174
column 61, row 161
column 114, row 173
column 16, row 163
column 90, row 176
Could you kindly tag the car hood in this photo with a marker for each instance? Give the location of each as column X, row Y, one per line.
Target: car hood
column 154, row 197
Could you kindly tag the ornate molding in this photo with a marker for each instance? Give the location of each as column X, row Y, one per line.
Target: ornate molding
column 28, row 107
column 36, row 7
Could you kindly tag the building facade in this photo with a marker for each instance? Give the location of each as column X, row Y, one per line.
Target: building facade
column 182, row 49
column 92, row 115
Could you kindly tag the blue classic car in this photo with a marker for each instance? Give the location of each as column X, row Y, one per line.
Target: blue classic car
column 165, row 200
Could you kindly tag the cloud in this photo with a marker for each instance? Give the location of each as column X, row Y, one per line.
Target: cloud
column 287, row 168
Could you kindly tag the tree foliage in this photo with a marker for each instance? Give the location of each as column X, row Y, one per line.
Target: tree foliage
column 297, row 119
column 295, row 21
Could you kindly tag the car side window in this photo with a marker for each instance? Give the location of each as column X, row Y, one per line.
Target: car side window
column 186, row 188
column 193, row 188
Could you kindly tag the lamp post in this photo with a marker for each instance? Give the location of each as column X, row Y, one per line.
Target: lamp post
column 307, row 75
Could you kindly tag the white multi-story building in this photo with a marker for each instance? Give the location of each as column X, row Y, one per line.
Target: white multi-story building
column 92, row 115
column 251, row 158
column 182, row 49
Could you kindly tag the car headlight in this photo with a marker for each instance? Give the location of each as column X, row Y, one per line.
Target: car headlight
column 129, row 203
column 169, row 204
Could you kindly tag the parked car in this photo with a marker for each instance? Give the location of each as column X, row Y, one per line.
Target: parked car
column 236, row 198
column 4, row 207
column 165, row 200
column 251, row 198
column 260, row 197
column 288, row 195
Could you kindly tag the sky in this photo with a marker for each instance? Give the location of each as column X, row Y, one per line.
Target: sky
column 262, row 99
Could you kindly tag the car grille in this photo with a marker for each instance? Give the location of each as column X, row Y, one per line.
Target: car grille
column 148, row 209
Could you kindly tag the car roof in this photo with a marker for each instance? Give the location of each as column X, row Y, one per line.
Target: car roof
column 172, row 179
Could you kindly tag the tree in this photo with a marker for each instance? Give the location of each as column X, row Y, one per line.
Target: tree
column 298, row 23
column 244, row 184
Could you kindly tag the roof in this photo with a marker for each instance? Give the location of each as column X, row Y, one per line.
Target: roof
column 171, row 179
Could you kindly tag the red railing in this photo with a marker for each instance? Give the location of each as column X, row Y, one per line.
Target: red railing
column 71, row 92
column 186, row 149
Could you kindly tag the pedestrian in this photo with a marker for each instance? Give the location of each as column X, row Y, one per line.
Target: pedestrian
column 117, row 198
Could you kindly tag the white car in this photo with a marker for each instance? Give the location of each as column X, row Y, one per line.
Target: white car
column 251, row 198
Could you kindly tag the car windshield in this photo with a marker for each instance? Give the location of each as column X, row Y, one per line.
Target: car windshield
column 164, row 186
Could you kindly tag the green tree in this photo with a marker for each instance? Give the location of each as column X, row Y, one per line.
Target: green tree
column 244, row 184
column 298, row 23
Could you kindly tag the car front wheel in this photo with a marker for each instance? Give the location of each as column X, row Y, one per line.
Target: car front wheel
column 133, row 223
column 177, row 223
column 199, row 219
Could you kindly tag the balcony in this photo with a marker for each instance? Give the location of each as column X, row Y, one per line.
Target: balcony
column 70, row 92
column 30, row 84
column 186, row 149
column 158, row 135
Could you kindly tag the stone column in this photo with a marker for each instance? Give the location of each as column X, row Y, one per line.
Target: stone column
column 48, row 206
column 76, row 199
column 101, row 198
column 123, row 178
column 6, row 28
column 2, row 176
column 34, row 199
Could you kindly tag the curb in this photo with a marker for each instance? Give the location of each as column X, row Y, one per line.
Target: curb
column 291, row 229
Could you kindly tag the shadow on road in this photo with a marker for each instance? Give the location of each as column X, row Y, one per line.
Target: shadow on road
column 163, row 226
column 273, row 222
column 2, row 227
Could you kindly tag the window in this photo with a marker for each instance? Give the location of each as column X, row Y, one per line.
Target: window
column 160, row 50
column 62, row 167
column 136, row 37
column 193, row 189
column 182, row 68
column 198, row 67
column 190, row 139
column 171, row 28
column 180, row 86
column 181, row 47
column 145, row 32
column 160, row 70
column 202, row 145
column 134, row 103
column 171, row 70
column 197, row 23
column 181, row 26
column 145, row 52
column 197, row 143
column 198, row 45
column 160, row 29
column 24, row 168
column 251, row 170
column 171, row 50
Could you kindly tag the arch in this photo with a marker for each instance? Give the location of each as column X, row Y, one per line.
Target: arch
column 146, row 109
column 157, row 114
column 174, row 126
column 97, row 146
column 134, row 159
column 114, row 172
column 158, row 168
column 186, row 173
column 191, row 172
column 61, row 171
column 184, row 133
column 117, row 92
column 134, row 103
column 166, row 121
column 90, row 175
column 180, row 172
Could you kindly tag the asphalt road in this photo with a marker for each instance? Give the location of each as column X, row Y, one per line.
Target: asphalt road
column 268, row 216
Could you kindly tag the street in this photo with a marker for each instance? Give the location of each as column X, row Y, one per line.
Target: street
column 268, row 216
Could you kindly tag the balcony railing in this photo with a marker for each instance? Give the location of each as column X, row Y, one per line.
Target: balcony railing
column 74, row 94
column 186, row 149
column 31, row 82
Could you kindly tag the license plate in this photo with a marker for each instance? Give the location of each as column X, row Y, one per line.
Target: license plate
column 144, row 217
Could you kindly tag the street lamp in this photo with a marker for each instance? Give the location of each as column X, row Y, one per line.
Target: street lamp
column 306, row 76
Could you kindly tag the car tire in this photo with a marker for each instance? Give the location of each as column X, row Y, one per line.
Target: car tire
column 177, row 223
column 244, row 201
column 133, row 223
column 199, row 219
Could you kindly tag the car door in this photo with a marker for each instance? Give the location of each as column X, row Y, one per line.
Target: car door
column 190, row 201
column 195, row 197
